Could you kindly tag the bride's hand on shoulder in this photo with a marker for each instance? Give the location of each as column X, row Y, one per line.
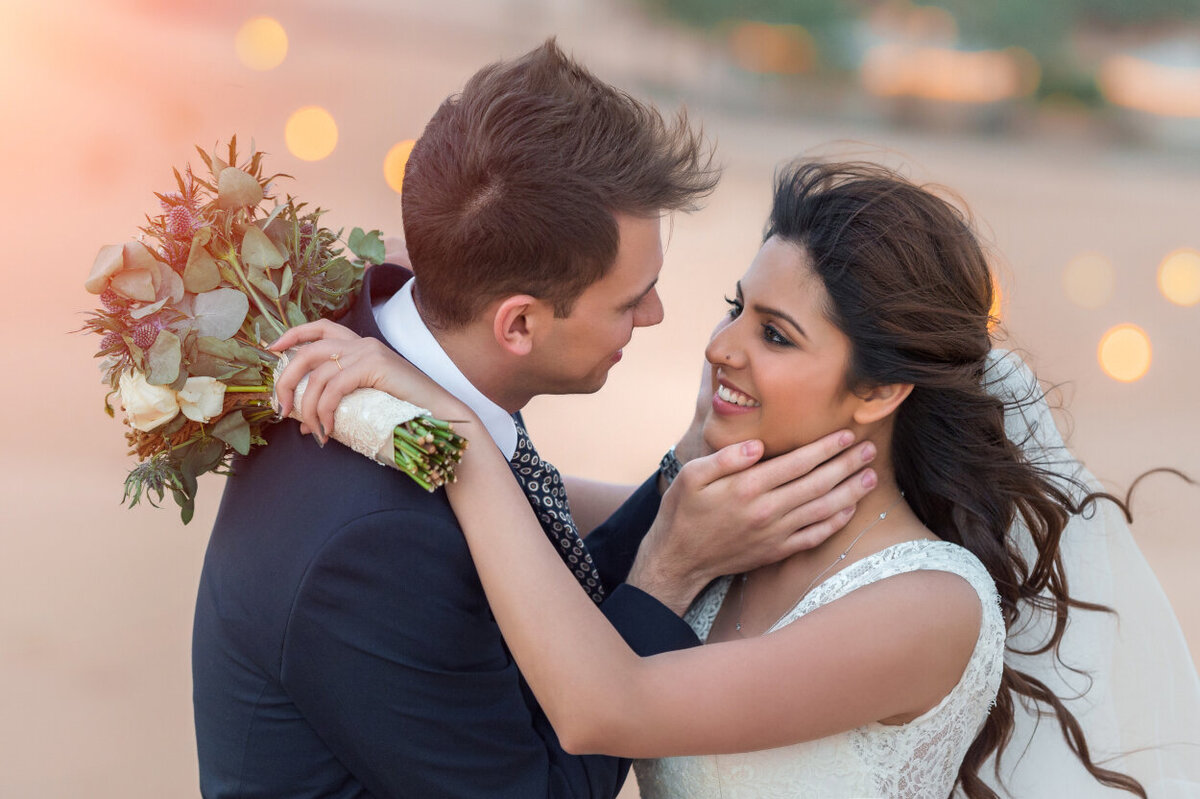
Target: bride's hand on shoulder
column 338, row 361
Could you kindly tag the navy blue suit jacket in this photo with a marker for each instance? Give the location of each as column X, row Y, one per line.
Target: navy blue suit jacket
column 343, row 646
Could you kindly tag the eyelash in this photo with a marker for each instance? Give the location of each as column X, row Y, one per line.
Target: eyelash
column 769, row 333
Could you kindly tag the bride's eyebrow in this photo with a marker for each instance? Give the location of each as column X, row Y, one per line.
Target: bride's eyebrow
column 766, row 310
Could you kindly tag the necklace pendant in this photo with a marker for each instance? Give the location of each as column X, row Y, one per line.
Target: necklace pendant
column 738, row 626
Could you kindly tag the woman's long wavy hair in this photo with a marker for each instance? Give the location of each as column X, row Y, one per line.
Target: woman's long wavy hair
column 909, row 285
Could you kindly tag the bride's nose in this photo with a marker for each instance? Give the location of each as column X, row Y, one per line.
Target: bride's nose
column 723, row 348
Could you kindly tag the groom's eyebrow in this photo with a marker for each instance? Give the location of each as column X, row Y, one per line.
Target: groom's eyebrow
column 636, row 300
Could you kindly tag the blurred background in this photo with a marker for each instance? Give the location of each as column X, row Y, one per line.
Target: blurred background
column 1071, row 129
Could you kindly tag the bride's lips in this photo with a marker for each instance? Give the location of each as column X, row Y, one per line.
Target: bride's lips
column 617, row 356
column 729, row 400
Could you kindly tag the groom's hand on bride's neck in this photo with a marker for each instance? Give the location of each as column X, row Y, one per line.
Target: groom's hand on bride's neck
column 726, row 513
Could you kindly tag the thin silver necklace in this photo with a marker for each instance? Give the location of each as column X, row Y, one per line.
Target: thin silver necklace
column 746, row 575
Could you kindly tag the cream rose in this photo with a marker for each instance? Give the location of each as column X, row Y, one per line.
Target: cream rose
column 146, row 406
column 202, row 398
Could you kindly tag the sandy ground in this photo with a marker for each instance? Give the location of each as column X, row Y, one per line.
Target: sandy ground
column 100, row 99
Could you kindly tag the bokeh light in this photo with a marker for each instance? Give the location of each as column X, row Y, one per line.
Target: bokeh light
column 772, row 49
column 1179, row 277
column 1089, row 280
column 394, row 163
column 261, row 43
column 1134, row 82
column 311, row 133
column 1124, row 353
column 995, row 312
column 948, row 74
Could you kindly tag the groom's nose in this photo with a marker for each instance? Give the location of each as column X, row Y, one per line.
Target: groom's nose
column 649, row 311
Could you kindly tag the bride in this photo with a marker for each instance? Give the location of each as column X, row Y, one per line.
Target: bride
column 874, row 664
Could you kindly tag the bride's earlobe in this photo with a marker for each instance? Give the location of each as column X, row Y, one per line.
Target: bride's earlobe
column 880, row 401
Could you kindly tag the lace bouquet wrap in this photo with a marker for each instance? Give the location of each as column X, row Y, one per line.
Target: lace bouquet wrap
column 188, row 310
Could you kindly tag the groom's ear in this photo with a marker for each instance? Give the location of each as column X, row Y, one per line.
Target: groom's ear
column 880, row 401
column 517, row 321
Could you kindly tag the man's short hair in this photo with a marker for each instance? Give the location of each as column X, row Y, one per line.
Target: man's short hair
column 513, row 186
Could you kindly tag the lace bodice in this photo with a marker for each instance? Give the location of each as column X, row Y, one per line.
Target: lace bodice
column 909, row 761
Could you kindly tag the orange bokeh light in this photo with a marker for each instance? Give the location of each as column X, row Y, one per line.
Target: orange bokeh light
column 311, row 133
column 995, row 312
column 1179, row 277
column 772, row 49
column 394, row 163
column 261, row 43
column 949, row 75
column 1133, row 82
column 1125, row 353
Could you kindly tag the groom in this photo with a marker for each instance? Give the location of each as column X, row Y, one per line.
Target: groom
column 343, row 645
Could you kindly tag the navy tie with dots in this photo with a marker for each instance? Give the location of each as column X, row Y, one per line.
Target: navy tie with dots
column 544, row 488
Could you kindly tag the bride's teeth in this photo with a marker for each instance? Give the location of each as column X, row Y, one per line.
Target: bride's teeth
column 736, row 397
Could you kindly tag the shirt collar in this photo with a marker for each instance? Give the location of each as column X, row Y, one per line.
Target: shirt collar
column 404, row 329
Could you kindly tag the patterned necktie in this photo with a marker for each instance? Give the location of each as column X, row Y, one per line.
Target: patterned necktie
column 543, row 487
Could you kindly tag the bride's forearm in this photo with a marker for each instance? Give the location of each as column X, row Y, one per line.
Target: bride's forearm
column 578, row 666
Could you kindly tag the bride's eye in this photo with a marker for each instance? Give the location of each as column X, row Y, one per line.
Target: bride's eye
column 735, row 307
column 772, row 336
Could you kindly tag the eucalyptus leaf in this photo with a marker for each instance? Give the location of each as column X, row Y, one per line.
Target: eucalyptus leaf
column 203, row 365
column 187, row 505
column 263, row 282
column 339, row 274
column 295, row 316
column 180, row 381
column 172, row 427
column 234, row 431
column 271, row 217
column 170, row 285
column 204, row 457
column 285, row 281
column 164, row 359
column 201, row 273
column 258, row 251
column 237, row 189
column 216, row 347
column 220, row 312
column 109, row 261
column 246, row 376
column 186, row 306
column 136, row 284
column 146, row 310
column 136, row 255
column 367, row 246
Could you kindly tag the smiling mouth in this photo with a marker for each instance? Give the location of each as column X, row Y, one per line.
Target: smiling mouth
column 735, row 397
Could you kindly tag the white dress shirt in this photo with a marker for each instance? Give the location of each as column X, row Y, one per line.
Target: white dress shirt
column 403, row 328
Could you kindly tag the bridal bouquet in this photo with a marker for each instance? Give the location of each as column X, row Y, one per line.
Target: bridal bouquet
column 189, row 309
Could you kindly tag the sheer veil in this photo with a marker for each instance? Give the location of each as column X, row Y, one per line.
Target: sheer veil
column 1139, row 700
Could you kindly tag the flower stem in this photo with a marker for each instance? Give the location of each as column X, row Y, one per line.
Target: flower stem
column 252, row 292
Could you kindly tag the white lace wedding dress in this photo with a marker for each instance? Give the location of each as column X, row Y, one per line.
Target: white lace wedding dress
column 908, row 761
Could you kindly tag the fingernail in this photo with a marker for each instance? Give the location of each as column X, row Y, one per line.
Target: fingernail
column 845, row 439
column 868, row 452
column 320, row 441
column 869, row 479
column 751, row 448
